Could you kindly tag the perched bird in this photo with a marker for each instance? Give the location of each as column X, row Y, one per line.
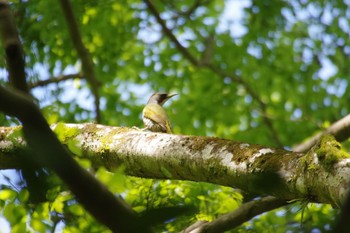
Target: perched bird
column 154, row 116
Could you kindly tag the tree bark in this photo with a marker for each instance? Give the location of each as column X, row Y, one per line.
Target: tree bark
column 237, row 217
column 320, row 175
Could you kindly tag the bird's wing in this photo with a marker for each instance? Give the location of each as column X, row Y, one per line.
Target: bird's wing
column 157, row 114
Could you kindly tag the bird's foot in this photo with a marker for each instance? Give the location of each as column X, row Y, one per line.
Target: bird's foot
column 139, row 129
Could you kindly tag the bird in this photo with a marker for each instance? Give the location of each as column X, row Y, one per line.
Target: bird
column 154, row 116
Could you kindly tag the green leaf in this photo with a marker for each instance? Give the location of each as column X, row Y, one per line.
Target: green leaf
column 7, row 195
column 76, row 209
column 14, row 213
column 38, row 225
column 74, row 147
column 16, row 135
column 64, row 133
column 42, row 211
column 51, row 114
column 19, row 228
column 59, row 203
column 23, row 195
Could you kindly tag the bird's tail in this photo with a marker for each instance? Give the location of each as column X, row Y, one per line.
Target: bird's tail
column 168, row 127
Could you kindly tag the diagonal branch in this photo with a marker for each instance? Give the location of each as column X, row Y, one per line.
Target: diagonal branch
column 187, row 12
column 255, row 96
column 198, row 63
column 13, row 49
column 169, row 34
column 83, row 53
column 237, row 217
column 94, row 196
column 58, row 79
column 340, row 129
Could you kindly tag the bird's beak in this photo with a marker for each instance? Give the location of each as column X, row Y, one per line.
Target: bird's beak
column 169, row 96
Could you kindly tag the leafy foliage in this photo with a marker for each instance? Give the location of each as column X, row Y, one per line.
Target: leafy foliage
column 291, row 56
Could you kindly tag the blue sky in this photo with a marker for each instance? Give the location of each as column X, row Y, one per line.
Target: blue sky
column 230, row 21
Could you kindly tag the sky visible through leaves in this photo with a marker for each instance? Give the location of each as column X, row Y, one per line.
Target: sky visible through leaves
column 230, row 21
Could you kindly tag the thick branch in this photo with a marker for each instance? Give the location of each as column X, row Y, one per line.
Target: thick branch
column 58, row 79
column 340, row 129
column 236, row 218
column 48, row 152
column 252, row 168
column 83, row 53
column 184, row 51
column 13, row 48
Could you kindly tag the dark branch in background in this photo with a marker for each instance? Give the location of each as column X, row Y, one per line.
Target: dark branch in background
column 342, row 223
column 95, row 197
column 237, row 217
column 256, row 97
column 214, row 69
column 188, row 12
column 13, row 49
column 340, row 129
column 30, row 173
column 191, row 10
column 83, row 53
column 47, row 150
column 58, row 79
column 169, row 34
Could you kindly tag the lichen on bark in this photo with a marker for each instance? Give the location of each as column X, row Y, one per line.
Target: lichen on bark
column 329, row 151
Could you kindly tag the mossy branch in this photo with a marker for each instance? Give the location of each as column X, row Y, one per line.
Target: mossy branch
column 252, row 168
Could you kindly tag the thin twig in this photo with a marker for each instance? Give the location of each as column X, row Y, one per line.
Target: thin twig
column 188, row 12
column 58, row 79
column 169, row 34
column 216, row 70
column 83, row 53
column 340, row 129
column 255, row 96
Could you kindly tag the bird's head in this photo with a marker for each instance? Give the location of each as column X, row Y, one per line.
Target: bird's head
column 159, row 98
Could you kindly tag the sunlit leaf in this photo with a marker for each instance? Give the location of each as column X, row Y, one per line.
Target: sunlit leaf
column 7, row 194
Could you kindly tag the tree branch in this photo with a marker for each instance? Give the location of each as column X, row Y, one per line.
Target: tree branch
column 237, row 217
column 13, row 48
column 95, row 197
column 252, row 168
column 215, row 70
column 170, row 35
column 342, row 223
column 256, row 97
column 58, row 79
column 340, row 129
column 188, row 12
column 83, row 53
